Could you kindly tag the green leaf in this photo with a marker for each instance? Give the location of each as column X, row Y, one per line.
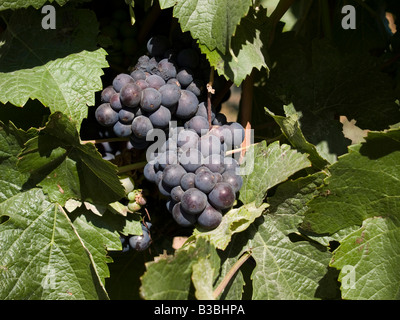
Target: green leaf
column 247, row 49
column 18, row 4
column 169, row 277
column 61, row 67
column 65, row 168
column 363, row 184
column 11, row 144
column 213, row 22
column 369, row 259
column 290, row 127
column 273, row 164
column 43, row 256
column 284, row 269
column 234, row 221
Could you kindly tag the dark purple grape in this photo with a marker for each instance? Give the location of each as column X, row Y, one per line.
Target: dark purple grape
column 138, row 75
column 237, row 134
column 187, row 139
column 142, row 63
column 138, row 143
column 193, row 201
column 222, row 196
column 220, row 119
column 215, row 162
column 183, row 218
column 188, row 58
column 202, row 168
column 167, row 158
column 150, row 100
column 157, row 45
column 172, row 175
column 142, row 84
column 141, row 242
column 202, row 111
column 130, row 95
column 141, row 125
column 107, row 93
column 187, row 105
column 209, row 144
column 199, row 124
column 164, row 189
column 105, row 115
column 167, row 69
column 161, row 117
column 191, row 159
column 149, row 172
column 196, row 86
column 234, row 180
column 187, row 181
column 121, row 80
column 205, row 181
column 155, row 81
column 230, row 164
column 176, row 193
column 126, row 115
column 122, row 130
column 174, row 81
column 170, row 94
column 185, row 77
column 210, row 218
column 115, row 102
column 152, row 67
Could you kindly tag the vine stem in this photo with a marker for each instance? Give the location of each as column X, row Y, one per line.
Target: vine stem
column 98, row 141
column 132, row 166
column 230, row 274
column 210, row 91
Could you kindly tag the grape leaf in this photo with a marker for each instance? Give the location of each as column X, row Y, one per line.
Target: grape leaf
column 272, row 165
column 284, row 269
column 65, row 168
column 247, row 49
column 369, row 259
column 35, row 63
column 18, row 4
column 168, row 277
column 43, row 256
column 362, row 184
column 213, row 22
column 234, row 221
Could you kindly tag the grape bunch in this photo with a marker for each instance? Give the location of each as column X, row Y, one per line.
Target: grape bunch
column 162, row 87
column 191, row 167
column 193, row 171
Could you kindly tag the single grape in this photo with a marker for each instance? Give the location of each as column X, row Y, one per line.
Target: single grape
column 107, row 93
column 185, row 77
column 161, row 117
column 230, row 164
column 150, row 100
column 222, row 196
column 170, row 94
column 205, row 181
column 234, row 180
column 174, row 81
column 199, row 124
column 176, row 193
column 187, row 139
column 157, row 45
column 220, row 119
column 209, row 144
column 193, row 201
column 202, row 111
column 215, row 162
column 141, row 242
column 155, row 81
column 143, row 84
column 130, row 95
column 138, row 143
column 138, row 75
column 172, row 174
column 167, row 69
column 164, row 189
column 167, row 158
column 187, row 105
column 121, row 80
column 181, row 217
column 142, row 63
column 115, row 102
column 149, row 172
column 141, row 125
column 152, row 67
column 210, row 218
column 105, row 115
column 187, row 181
column 126, row 115
column 237, row 134
column 191, row 159
column 122, row 130
column 196, row 86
